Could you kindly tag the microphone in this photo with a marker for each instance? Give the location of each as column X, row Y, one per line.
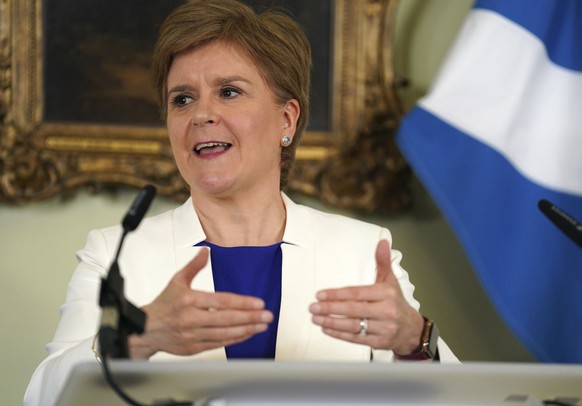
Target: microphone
column 120, row 318
column 138, row 208
column 566, row 223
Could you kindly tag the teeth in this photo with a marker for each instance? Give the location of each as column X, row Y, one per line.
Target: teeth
column 200, row 147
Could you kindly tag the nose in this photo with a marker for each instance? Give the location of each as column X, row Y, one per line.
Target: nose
column 204, row 113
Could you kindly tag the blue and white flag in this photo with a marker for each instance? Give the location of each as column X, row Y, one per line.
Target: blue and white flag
column 500, row 130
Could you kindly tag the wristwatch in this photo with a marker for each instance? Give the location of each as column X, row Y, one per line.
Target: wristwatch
column 428, row 348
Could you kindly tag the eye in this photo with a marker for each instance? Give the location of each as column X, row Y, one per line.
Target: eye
column 229, row 92
column 180, row 100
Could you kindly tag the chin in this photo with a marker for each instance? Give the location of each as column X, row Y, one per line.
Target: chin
column 211, row 185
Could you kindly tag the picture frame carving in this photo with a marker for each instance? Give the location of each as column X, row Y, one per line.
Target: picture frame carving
column 353, row 164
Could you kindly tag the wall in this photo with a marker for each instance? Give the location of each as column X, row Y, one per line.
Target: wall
column 38, row 241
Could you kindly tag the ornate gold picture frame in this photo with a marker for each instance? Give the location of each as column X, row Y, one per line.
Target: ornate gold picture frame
column 352, row 163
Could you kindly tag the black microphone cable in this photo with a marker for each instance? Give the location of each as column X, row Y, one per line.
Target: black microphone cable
column 106, row 338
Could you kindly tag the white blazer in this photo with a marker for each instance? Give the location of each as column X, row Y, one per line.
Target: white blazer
column 320, row 251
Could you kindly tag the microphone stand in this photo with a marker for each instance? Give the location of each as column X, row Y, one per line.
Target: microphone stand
column 120, row 318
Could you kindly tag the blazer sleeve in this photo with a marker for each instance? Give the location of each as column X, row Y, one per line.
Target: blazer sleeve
column 73, row 339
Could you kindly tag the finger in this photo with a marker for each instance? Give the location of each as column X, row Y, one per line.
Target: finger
column 368, row 293
column 383, row 262
column 194, row 342
column 341, row 324
column 187, row 274
column 374, row 341
column 226, row 301
column 338, row 309
column 228, row 318
column 371, row 309
column 233, row 333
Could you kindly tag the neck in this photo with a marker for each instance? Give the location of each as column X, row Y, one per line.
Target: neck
column 250, row 221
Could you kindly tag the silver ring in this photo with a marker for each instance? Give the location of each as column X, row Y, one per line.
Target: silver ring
column 363, row 327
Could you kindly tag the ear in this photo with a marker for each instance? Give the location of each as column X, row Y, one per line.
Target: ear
column 291, row 113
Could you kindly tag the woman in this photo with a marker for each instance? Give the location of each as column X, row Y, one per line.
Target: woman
column 279, row 280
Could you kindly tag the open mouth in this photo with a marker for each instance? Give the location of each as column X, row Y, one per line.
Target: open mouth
column 211, row 148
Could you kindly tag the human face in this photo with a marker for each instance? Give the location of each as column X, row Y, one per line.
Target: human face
column 224, row 125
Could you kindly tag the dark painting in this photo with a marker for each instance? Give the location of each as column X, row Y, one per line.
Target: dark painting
column 97, row 56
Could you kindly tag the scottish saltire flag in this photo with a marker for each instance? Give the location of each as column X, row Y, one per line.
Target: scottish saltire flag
column 501, row 129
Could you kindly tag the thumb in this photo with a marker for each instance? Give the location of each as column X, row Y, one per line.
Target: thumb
column 383, row 262
column 187, row 274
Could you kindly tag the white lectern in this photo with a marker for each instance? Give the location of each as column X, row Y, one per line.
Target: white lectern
column 315, row 383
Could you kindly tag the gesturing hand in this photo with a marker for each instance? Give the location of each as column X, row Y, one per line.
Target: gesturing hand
column 391, row 322
column 183, row 321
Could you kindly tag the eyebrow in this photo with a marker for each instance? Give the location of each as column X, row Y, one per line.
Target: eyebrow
column 230, row 79
column 219, row 82
column 179, row 88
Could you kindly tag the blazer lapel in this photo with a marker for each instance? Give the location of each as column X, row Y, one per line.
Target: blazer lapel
column 305, row 272
column 298, row 285
column 187, row 233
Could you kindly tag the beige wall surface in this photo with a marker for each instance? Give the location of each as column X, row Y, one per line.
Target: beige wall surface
column 38, row 241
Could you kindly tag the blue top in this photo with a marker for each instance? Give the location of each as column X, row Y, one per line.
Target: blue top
column 253, row 271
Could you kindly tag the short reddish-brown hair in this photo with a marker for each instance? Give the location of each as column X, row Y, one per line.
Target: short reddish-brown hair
column 272, row 39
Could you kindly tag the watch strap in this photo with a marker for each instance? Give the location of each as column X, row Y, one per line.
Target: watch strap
column 428, row 348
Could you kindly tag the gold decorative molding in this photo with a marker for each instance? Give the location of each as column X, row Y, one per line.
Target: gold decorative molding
column 354, row 164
